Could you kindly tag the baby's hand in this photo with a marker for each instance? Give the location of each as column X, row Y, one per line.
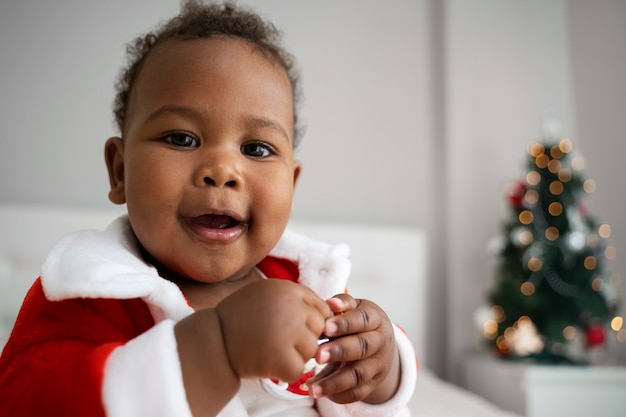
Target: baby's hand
column 363, row 363
column 271, row 328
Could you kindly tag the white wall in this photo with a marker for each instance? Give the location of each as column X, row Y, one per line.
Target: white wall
column 418, row 113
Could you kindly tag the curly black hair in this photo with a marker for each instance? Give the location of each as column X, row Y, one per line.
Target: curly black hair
column 199, row 20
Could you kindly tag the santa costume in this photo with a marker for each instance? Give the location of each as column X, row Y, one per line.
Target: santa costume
column 95, row 335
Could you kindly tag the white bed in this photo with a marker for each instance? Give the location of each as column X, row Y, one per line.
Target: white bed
column 389, row 267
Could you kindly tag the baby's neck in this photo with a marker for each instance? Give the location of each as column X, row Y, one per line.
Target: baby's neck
column 201, row 295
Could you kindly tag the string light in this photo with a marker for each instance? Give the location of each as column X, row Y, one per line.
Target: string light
column 556, row 152
column 535, row 149
column 526, row 217
column 564, row 175
column 566, row 145
column 554, row 166
column 604, row 231
column 597, row 284
column 531, row 197
column 610, row 252
column 578, row 163
column 533, row 178
column 527, row 288
column 590, row 263
column 498, row 313
column 617, row 323
column 589, row 186
column 556, row 187
column 542, row 161
column 490, row 329
column 555, row 208
column 552, row 233
column 569, row 332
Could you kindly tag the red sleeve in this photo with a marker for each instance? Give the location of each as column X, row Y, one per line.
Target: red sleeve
column 53, row 363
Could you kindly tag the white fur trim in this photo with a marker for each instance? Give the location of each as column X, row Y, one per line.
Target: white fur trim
column 143, row 377
column 323, row 267
column 108, row 264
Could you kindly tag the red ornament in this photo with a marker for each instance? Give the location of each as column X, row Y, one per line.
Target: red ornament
column 595, row 335
column 516, row 193
column 583, row 209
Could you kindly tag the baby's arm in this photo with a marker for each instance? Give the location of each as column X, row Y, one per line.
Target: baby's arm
column 256, row 332
column 363, row 358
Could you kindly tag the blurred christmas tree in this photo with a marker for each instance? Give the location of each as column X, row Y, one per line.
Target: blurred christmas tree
column 552, row 299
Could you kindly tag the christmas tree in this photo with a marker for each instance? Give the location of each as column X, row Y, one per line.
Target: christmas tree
column 551, row 300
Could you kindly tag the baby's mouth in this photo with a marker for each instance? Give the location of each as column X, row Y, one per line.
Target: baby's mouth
column 217, row 227
column 216, row 221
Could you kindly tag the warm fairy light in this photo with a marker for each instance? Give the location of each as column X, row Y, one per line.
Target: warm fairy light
column 593, row 240
column 590, row 263
column 578, row 163
column 498, row 313
column 534, row 264
column 527, row 288
column 503, row 344
column 555, row 208
column 542, row 161
column 526, row 217
column 490, row 329
column 565, row 175
column 566, row 145
column 610, row 252
column 536, row 149
column 524, row 321
column 589, row 186
column 597, row 284
column 621, row 335
column 569, row 332
column 510, row 333
column 533, row 178
column 615, row 279
column 554, row 166
column 617, row 323
column 604, row 231
column 525, row 238
column 552, row 233
column 531, row 197
column 556, row 152
column 556, row 187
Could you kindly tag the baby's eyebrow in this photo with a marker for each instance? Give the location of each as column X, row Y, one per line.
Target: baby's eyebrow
column 251, row 121
column 184, row 111
column 265, row 123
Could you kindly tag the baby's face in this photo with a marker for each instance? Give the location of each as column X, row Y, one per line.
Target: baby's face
column 207, row 158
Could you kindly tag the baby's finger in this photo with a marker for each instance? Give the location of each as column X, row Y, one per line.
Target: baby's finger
column 351, row 348
column 341, row 303
column 350, row 383
column 360, row 319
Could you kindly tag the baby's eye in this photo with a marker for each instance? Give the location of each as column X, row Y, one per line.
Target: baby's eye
column 256, row 149
column 181, row 139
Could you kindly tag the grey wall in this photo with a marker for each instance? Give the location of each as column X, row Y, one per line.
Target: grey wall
column 418, row 111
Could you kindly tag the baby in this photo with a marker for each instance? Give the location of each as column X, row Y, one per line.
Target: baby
column 199, row 302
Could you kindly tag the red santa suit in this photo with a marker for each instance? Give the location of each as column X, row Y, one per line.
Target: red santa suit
column 95, row 335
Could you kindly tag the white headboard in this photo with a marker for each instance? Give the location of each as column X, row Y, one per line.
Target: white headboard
column 388, row 263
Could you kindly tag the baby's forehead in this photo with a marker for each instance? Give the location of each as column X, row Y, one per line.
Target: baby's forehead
column 208, row 57
column 221, row 45
column 200, row 72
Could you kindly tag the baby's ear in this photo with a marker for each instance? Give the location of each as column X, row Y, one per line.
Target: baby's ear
column 114, row 157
